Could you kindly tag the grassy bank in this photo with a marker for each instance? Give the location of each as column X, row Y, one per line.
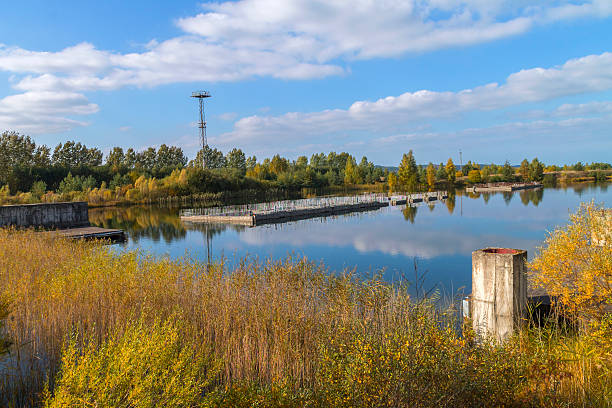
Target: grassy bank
column 92, row 326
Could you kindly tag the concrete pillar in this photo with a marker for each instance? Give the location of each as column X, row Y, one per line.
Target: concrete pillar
column 499, row 291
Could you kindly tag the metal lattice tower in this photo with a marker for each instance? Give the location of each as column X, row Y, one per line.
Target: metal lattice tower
column 200, row 95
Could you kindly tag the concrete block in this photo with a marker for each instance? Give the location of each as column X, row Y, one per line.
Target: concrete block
column 499, row 291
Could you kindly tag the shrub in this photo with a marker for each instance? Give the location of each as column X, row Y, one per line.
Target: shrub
column 425, row 365
column 145, row 366
column 575, row 263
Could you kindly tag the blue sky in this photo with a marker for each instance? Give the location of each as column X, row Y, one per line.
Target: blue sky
column 498, row 79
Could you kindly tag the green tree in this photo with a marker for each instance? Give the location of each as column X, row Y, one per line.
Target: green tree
column 73, row 154
column 38, row 189
column 536, row 170
column 507, row 171
column 422, row 175
column 251, row 162
column 116, row 157
column 209, row 158
column 441, row 173
column 236, row 159
column 467, row 168
column 301, row 163
column 170, row 157
column 524, row 170
column 392, row 182
column 408, row 172
column 279, row 164
column 17, row 150
column 366, row 171
column 130, row 158
column 350, row 172
column 42, row 156
column 318, row 161
column 147, row 159
column 485, row 173
column 70, row 183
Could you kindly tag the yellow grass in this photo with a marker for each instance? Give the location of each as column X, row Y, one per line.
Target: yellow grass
column 282, row 330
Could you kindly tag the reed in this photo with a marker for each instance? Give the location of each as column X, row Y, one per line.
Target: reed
column 280, row 331
column 265, row 320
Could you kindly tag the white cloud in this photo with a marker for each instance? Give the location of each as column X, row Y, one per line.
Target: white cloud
column 392, row 231
column 393, row 114
column 228, row 116
column 590, row 108
column 300, row 39
column 322, row 30
column 43, row 112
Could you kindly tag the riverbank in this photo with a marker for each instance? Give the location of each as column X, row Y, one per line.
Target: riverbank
column 282, row 333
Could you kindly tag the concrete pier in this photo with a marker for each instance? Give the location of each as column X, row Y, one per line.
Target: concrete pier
column 113, row 235
column 282, row 216
column 499, row 291
column 282, row 211
column 493, row 187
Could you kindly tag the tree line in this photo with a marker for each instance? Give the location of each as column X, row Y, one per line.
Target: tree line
column 74, row 167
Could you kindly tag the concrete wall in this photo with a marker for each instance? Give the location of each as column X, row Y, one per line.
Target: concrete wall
column 48, row 215
column 499, row 291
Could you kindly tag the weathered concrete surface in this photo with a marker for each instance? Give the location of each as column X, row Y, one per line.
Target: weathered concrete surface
column 281, row 216
column 492, row 187
column 499, row 291
column 48, row 215
column 89, row 233
column 221, row 219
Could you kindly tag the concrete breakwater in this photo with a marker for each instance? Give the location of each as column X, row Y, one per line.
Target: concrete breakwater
column 492, row 187
column 67, row 220
column 47, row 215
column 282, row 211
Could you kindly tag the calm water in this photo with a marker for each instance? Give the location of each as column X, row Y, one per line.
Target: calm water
column 440, row 237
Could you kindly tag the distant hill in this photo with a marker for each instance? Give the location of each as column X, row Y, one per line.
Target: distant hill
column 390, row 168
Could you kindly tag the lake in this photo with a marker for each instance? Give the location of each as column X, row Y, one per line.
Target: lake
column 440, row 237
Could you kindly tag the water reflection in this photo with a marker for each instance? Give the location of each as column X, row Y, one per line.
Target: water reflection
column 410, row 213
column 442, row 238
column 140, row 222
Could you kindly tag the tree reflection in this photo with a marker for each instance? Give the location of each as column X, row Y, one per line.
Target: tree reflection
column 450, row 202
column 141, row 222
column 507, row 197
column 524, row 194
column 410, row 213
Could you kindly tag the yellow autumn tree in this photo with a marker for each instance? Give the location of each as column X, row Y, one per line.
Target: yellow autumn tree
column 431, row 176
column 575, row 264
column 451, row 170
column 474, row 176
column 392, row 182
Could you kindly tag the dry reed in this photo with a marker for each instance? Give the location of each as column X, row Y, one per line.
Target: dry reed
column 265, row 321
column 274, row 322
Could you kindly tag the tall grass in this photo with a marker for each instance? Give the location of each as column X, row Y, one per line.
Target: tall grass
column 284, row 333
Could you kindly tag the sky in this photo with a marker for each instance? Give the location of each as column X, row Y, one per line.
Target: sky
column 495, row 79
